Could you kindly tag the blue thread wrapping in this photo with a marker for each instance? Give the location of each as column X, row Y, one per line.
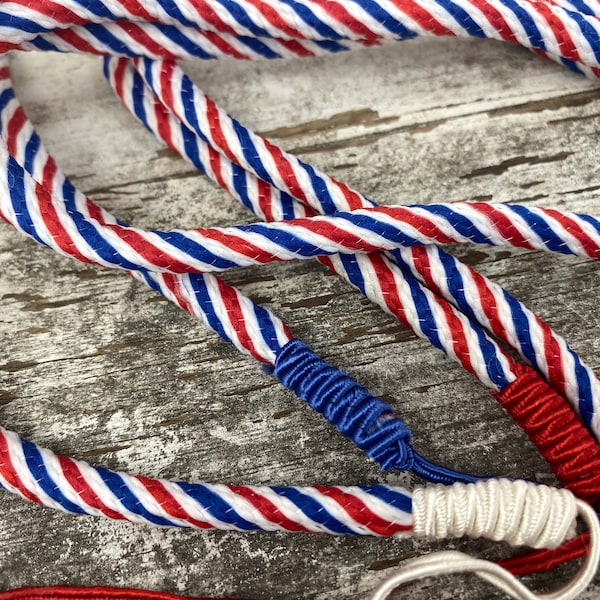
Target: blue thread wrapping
column 368, row 421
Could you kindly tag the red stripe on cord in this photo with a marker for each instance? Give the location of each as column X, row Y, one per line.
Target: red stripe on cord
column 174, row 284
column 285, row 170
column 57, row 12
column 389, row 290
column 275, row 19
column 157, row 257
column 14, row 127
column 212, row 116
column 425, row 19
column 236, row 317
column 240, row 245
column 222, row 45
column 91, row 593
column 141, row 37
column 418, row 222
column 136, row 9
column 206, row 13
column 264, row 193
column 565, row 43
column 9, row 472
column 587, row 243
column 361, row 513
column 118, row 76
column 76, row 480
column 503, row 224
column 54, row 226
column 72, row 38
column 341, row 15
column 296, row 47
column 266, row 508
column 496, row 20
column 168, row 502
column 347, row 239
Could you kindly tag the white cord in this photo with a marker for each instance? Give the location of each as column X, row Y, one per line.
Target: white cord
column 445, row 563
column 521, row 513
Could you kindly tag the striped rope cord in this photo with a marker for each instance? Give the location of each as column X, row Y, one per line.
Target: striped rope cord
column 486, row 303
column 19, row 211
column 564, row 31
column 158, row 279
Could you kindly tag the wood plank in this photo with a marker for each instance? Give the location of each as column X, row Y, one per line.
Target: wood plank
column 98, row 367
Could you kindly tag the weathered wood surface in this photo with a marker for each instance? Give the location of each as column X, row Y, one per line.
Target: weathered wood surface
column 98, row 367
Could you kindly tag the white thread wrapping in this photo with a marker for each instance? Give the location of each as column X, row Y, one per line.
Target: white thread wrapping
column 518, row 512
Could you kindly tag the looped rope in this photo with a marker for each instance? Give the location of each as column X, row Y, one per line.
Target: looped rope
column 450, row 562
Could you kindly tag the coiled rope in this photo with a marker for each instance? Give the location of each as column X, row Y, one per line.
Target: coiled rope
column 37, row 190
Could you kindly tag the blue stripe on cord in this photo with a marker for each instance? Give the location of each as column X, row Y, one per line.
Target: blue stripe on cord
column 309, row 17
column 259, row 47
column 171, row 8
column 462, row 17
column 593, row 221
column 391, row 497
column 197, row 251
column 383, row 17
column 426, row 318
column 456, row 286
column 353, row 271
column 21, row 23
column 462, row 224
column 98, row 8
column 313, row 509
column 586, row 405
column 16, row 190
column 266, row 327
column 31, row 149
column 587, row 30
column 101, row 33
column 243, row 18
column 528, row 24
column 38, row 470
column 206, row 305
column 389, row 232
column 249, row 151
column 541, row 227
column 119, row 488
column 43, row 44
column 94, row 239
column 180, row 39
column 216, row 506
column 289, row 241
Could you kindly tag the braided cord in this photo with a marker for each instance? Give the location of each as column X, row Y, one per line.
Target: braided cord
column 487, row 303
column 41, row 202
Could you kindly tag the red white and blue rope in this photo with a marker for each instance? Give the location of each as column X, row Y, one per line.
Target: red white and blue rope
column 41, row 202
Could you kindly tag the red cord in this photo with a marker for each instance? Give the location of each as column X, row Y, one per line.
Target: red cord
column 571, row 451
column 542, row 561
column 89, row 593
column 556, row 430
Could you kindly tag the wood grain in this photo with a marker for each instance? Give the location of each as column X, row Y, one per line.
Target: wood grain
column 100, row 368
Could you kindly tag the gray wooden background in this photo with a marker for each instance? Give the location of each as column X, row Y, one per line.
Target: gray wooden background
column 98, row 367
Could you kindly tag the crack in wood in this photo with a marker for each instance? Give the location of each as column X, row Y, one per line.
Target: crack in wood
column 516, row 161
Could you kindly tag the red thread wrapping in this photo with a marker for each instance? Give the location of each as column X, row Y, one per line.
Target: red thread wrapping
column 89, row 593
column 554, row 427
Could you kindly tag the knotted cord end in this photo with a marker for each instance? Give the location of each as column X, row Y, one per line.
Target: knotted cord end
column 368, row 421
